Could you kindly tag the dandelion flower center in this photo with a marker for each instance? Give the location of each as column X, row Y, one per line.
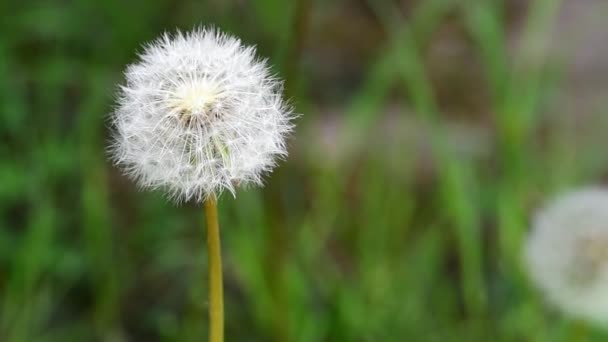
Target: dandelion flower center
column 591, row 257
column 195, row 100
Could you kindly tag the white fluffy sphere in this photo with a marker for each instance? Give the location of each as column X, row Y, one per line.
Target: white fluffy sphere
column 199, row 113
column 567, row 254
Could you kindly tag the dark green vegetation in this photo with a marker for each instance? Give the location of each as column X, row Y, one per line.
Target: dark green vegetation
column 430, row 133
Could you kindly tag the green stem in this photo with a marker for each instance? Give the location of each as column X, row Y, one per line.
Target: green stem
column 580, row 332
column 216, row 291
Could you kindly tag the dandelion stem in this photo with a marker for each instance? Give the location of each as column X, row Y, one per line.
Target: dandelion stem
column 580, row 332
column 216, row 291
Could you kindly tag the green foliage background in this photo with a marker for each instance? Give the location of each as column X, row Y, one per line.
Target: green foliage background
column 381, row 226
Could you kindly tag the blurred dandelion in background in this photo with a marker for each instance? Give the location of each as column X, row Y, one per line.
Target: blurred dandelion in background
column 567, row 254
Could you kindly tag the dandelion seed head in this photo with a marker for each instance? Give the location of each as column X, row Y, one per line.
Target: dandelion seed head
column 198, row 114
column 567, row 254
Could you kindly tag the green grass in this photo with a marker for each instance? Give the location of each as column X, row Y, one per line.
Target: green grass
column 373, row 246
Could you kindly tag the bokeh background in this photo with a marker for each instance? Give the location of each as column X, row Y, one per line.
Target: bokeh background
column 430, row 132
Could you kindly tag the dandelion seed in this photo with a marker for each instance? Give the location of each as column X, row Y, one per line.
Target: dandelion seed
column 567, row 254
column 199, row 114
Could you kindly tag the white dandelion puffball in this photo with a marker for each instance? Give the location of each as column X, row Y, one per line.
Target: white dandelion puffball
column 199, row 114
column 567, row 254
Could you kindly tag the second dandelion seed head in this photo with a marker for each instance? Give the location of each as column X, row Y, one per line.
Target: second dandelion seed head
column 567, row 253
